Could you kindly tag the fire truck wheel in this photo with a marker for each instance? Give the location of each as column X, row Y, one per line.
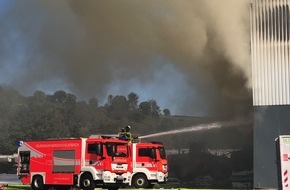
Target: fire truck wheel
column 37, row 183
column 140, row 181
column 87, row 182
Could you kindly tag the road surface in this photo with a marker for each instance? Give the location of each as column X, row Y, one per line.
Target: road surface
column 9, row 179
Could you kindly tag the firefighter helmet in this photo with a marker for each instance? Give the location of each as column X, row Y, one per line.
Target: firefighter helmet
column 127, row 129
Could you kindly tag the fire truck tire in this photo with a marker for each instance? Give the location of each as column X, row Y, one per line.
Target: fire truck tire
column 87, row 182
column 140, row 181
column 37, row 183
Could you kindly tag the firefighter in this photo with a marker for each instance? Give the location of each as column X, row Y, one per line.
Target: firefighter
column 122, row 135
column 128, row 134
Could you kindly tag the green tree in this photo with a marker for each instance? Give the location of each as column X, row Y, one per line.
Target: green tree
column 94, row 103
column 154, row 108
column 119, row 107
column 133, row 101
column 58, row 97
column 166, row 112
column 145, row 108
column 109, row 100
column 39, row 96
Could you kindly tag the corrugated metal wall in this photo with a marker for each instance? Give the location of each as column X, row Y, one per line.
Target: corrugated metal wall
column 270, row 52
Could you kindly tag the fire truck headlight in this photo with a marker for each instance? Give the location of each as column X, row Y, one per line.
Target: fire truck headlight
column 107, row 177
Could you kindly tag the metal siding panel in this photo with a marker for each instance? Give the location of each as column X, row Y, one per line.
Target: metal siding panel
column 265, row 60
column 272, row 42
column 270, row 52
column 275, row 51
column 260, row 55
column 254, row 54
column 266, row 50
column 267, row 54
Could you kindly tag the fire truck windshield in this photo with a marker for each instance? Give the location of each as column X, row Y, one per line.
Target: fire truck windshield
column 116, row 149
column 162, row 152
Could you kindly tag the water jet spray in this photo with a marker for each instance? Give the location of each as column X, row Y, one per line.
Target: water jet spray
column 200, row 127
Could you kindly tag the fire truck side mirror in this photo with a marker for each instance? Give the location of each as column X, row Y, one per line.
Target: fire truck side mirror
column 99, row 149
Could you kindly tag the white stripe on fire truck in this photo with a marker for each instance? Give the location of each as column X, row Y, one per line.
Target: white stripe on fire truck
column 33, row 151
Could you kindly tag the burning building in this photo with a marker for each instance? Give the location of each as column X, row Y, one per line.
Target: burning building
column 270, row 51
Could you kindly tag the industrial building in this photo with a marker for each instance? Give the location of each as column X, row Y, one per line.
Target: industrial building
column 271, row 84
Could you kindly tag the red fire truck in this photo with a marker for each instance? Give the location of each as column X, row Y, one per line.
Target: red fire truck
column 85, row 162
column 99, row 161
column 149, row 164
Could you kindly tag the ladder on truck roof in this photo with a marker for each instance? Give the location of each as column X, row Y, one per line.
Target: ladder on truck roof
column 105, row 136
column 114, row 136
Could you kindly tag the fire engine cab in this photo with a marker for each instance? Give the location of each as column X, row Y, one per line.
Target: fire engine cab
column 85, row 162
column 149, row 164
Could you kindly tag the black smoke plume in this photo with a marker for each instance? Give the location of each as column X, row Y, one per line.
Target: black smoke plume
column 87, row 47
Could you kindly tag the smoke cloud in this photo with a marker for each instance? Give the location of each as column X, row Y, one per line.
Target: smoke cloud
column 193, row 56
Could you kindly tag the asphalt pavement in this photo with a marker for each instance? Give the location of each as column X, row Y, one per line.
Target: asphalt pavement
column 9, row 179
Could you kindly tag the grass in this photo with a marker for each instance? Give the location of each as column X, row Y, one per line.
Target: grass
column 17, row 187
